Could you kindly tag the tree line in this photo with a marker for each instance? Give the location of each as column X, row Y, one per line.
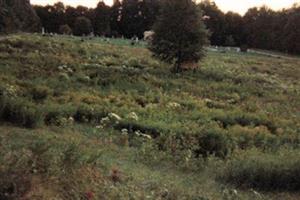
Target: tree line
column 261, row 28
column 126, row 18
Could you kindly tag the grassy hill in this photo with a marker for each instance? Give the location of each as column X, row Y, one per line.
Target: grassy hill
column 95, row 119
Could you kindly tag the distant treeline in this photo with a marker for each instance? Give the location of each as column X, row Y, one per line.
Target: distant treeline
column 259, row 28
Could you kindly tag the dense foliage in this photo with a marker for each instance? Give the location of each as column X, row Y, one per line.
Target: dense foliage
column 82, row 26
column 180, row 33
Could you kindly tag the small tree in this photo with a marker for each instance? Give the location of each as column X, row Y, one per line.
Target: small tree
column 180, row 33
column 82, row 26
column 65, row 29
column 230, row 41
column 101, row 19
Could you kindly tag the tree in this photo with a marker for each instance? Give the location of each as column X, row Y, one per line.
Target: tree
column 180, row 33
column 101, row 19
column 16, row 15
column 215, row 22
column 83, row 26
column 234, row 29
column 259, row 27
column 115, row 18
column 150, row 10
column 65, row 29
column 230, row 42
column 132, row 18
column 291, row 32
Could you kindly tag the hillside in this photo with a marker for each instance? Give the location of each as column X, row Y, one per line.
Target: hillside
column 97, row 119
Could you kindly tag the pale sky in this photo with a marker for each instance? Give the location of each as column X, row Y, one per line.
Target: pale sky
column 240, row 6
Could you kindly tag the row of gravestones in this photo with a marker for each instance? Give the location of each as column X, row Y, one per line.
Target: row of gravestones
column 221, row 49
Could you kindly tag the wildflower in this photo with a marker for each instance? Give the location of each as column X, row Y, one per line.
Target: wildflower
column 99, row 127
column 173, row 105
column 114, row 116
column 124, row 131
column 146, row 136
column 137, row 133
column 71, row 120
column 104, row 120
column 133, row 116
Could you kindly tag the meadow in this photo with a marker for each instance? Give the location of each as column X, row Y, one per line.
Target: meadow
column 102, row 119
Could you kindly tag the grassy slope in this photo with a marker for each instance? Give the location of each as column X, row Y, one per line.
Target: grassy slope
column 253, row 99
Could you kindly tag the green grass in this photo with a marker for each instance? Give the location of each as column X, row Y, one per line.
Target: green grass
column 183, row 131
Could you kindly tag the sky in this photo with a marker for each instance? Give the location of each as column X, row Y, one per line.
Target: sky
column 240, row 6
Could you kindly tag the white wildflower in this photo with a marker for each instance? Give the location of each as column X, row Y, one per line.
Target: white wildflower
column 173, row 105
column 70, row 70
column 133, row 116
column 104, row 120
column 71, row 120
column 146, row 136
column 137, row 133
column 113, row 116
column 124, row 131
column 99, row 127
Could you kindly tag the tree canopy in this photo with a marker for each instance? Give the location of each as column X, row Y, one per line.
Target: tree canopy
column 180, row 33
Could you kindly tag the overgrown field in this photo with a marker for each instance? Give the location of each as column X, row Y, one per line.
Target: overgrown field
column 94, row 119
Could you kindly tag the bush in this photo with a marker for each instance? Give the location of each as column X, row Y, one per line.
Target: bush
column 65, row 29
column 244, row 48
column 211, row 142
column 59, row 115
column 40, row 93
column 20, row 112
column 245, row 119
column 87, row 113
column 214, row 142
column 14, row 184
column 83, row 26
column 259, row 137
column 278, row 171
column 135, row 63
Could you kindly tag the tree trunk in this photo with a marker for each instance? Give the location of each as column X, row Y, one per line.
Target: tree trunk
column 177, row 65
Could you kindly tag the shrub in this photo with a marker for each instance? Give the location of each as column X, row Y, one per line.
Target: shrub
column 248, row 137
column 210, row 142
column 21, row 112
column 14, row 184
column 245, row 119
column 135, row 63
column 88, row 113
column 83, row 26
column 214, row 142
column 278, row 171
column 59, row 115
column 244, row 48
column 40, row 93
column 65, row 29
